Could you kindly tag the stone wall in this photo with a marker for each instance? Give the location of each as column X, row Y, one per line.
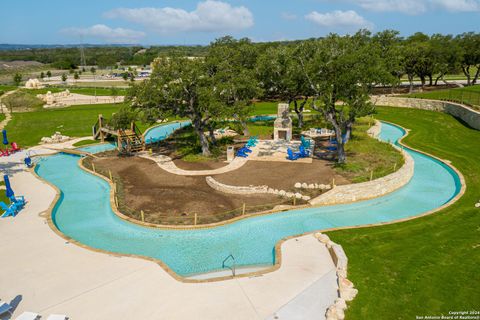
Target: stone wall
column 346, row 289
column 253, row 190
column 371, row 189
column 467, row 114
column 235, row 189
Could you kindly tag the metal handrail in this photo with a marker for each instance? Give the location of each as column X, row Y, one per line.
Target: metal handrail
column 234, row 264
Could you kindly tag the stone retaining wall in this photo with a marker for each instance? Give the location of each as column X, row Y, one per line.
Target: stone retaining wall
column 253, row 190
column 235, row 189
column 467, row 114
column 346, row 289
column 371, row 189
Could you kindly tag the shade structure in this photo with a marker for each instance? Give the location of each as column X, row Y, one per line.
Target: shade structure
column 8, row 192
column 5, row 139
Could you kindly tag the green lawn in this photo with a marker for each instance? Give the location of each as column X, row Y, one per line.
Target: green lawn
column 85, row 143
column 429, row 265
column 27, row 128
column 2, row 117
column 467, row 95
column 79, row 90
column 4, row 89
column 270, row 107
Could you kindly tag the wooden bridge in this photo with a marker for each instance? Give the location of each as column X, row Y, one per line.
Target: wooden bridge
column 128, row 140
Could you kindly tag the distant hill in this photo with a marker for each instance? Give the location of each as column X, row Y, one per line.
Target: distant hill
column 7, row 46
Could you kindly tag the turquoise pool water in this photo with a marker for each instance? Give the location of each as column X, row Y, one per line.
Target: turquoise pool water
column 159, row 133
column 84, row 213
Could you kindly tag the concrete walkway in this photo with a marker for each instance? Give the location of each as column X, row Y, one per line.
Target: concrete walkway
column 168, row 165
column 42, row 272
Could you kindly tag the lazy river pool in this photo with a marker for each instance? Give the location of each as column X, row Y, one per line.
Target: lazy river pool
column 83, row 213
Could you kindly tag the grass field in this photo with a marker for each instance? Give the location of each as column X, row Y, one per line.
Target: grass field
column 2, row 117
column 4, row 89
column 85, row 143
column 27, row 128
column 265, row 108
column 429, row 265
column 85, row 91
column 467, row 95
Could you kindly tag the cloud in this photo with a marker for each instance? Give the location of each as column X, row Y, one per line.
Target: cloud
column 288, row 16
column 413, row 7
column 105, row 33
column 458, row 5
column 208, row 16
column 339, row 19
column 405, row 6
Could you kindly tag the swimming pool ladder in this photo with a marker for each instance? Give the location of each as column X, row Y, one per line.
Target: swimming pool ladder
column 233, row 267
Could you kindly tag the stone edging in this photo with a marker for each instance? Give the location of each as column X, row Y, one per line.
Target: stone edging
column 467, row 114
column 346, row 289
column 370, row 189
column 214, row 184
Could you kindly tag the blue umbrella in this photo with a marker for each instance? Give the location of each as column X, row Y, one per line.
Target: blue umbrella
column 5, row 140
column 9, row 192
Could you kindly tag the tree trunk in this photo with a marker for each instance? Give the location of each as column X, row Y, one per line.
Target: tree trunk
column 466, row 72
column 422, row 79
column 299, row 111
column 430, row 80
column 477, row 74
column 211, row 130
column 199, row 127
column 245, row 127
column 410, row 80
column 341, row 156
column 438, row 78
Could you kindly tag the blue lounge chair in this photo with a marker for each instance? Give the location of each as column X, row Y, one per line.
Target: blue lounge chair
column 28, row 162
column 344, row 138
column 9, row 211
column 303, row 152
column 291, row 155
column 19, row 201
column 245, row 150
column 305, row 143
column 332, row 148
column 5, row 308
column 241, row 154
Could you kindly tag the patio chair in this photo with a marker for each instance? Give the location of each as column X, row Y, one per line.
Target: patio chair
column 303, row 152
column 28, row 316
column 241, row 154
column 28, row 162
column 5, row 308
column 9, row 211
column 15, row 147
column 291, row 155
column 57, row 317
column 19, row 201
column 305, row 143
column 245, row 150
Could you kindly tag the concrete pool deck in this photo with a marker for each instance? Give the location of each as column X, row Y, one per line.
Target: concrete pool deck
column 46, row 274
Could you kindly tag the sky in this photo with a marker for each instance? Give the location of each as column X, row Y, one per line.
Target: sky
column 184, row 22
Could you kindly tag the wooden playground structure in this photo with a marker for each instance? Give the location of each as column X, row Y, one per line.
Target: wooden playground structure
column 128, row 140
